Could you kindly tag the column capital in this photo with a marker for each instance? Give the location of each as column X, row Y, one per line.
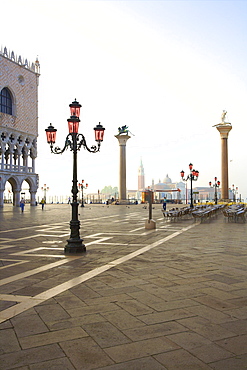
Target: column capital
column 224, row 130
column 122, row 139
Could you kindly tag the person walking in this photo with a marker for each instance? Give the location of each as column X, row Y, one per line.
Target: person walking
column 22, row 204
column 42, row 203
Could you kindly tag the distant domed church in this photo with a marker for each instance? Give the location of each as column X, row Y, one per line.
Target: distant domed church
column 167, row 180
column 168, row 189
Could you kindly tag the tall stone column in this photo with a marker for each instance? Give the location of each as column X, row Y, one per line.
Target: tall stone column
column 224, row 128
column 122, row 140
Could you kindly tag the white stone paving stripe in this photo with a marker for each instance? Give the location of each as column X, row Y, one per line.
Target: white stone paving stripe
column 25, row 274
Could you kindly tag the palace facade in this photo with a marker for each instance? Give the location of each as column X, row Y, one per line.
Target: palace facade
column 18, row 125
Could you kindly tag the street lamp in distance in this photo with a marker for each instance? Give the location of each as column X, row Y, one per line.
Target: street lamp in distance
column 45, row 189
column 215, row 186
column 193, row 176
column 234, row 192
column 81, row 186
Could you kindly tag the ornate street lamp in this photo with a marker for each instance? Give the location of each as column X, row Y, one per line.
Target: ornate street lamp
column 193, row 176
column 45, row 189
column 81, row 186
column 234, row 193
column 215, row 186
column 74, row 141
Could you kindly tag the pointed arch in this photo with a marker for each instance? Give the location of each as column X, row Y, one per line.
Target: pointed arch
column 6, row 101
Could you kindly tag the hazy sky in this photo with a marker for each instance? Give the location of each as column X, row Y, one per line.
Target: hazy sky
column 166, row 69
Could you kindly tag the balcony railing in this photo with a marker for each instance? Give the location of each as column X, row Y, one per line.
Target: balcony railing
column 16, row 168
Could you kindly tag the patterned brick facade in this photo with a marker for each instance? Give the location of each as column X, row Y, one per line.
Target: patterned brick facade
column 19, row 127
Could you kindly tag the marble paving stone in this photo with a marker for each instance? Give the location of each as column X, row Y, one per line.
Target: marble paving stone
column 210, row 353
column 85, row 354
column 215, row 303
column 236, row 363
column 174, row 304
column 26, row 325
column 122, row 319
column 75, row 321
column 97, row 308
column 140, row 349
column 238, row 327
column 146, row 363
column 170, row 315
column 239, row 313
column 8, row 341
column 237, row 345
column 52, row 312
column 107, row 299
column 189, row 340
column 84, row 292
column 218, row 293
column 30, row 356
column 152, row 331
column 68, row 302
column 181, row 360
column 206, row 328
column 135, row 308
column 105, row 334
column 58, row 364
column 52, row 337
column 209, row 313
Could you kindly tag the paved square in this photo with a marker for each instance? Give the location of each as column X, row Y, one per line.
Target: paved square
column 169, row 298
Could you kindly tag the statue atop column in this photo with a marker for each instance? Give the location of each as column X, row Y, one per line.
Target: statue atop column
column 224, row 120
column 123, row 130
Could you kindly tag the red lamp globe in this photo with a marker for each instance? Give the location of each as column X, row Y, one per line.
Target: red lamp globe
column 73, row 124
column 182, row 173
column 99, row 133
column 50, row 134
column 75, row 108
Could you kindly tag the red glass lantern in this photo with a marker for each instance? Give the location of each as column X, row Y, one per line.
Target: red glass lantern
column 51, row 134
column 215, row 179
column 218, row 183
column 190, row 166
column 197, row 173
column 73, row 123
column 182, row 173
column 210, row 183
column 99, row 133
column 86, row 185
column 75, row 108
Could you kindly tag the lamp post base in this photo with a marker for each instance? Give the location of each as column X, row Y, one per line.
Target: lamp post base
column 74, row 246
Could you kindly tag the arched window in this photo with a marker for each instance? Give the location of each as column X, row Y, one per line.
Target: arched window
column 5, row 101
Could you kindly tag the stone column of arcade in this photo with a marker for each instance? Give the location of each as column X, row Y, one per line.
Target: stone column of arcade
column 224, row 128
column 122, row 140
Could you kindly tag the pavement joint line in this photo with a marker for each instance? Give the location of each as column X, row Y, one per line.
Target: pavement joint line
column 50, row 293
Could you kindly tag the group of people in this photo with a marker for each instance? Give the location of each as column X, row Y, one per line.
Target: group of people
column 22, row 204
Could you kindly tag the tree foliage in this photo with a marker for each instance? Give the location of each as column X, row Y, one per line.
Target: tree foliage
column 110, row 191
